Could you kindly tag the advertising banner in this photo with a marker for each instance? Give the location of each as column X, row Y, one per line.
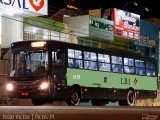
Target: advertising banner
column 24, row 7
column 101, row 28
column 91, row 27
column 126, row 24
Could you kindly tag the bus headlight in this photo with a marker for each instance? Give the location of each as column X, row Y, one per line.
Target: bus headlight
column 10, row 87
column 44, row 86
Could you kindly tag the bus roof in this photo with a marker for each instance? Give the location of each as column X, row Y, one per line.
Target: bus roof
column 50, row 44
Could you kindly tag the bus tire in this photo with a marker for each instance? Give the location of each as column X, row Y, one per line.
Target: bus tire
column 75, row 97
column 130, row 99
column 98, row 102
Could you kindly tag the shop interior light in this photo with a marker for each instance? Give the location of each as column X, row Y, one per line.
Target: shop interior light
column 72, row 7
column 34, row 30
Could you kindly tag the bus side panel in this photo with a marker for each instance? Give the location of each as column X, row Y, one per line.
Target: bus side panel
column 110, row 85
column 103, row 93
column 141, row 94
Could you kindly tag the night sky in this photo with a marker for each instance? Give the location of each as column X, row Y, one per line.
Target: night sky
column 153, row 5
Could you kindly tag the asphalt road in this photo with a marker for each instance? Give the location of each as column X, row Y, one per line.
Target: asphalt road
column 60, row 111
column 49, row 112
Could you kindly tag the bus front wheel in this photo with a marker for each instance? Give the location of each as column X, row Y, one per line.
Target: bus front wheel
column 74, row 97
column 130, row 99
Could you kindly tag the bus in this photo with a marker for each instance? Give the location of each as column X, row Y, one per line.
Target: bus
column 47, row 70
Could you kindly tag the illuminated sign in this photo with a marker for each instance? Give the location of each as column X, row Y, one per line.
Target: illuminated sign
column 37, row 44
column 126, row 24
column 35, row 6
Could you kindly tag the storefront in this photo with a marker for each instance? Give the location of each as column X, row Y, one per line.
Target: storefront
column 149, row 40
column 91, row 31
column 12, row 14
column 130, row 33
column 47, row 29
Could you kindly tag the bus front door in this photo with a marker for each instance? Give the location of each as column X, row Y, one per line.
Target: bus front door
column 59, row 75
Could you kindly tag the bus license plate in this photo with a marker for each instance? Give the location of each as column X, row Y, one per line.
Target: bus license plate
column 24, row 93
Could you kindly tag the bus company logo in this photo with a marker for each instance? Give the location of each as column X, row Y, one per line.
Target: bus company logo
column 135, row 81
column 37, row 4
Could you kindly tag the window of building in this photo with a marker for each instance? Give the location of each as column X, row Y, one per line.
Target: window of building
column 92, row 43
column 32, row 32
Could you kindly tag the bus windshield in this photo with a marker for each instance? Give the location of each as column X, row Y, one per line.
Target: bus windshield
column 28, row 63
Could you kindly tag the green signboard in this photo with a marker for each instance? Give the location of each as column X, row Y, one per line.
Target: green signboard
column 45, row 23
column 101, row 28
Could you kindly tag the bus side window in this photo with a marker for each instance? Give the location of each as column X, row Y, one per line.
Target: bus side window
column 75, row 58
column 140, row 67
column 150, row 68
column 129, row 65
column 53, row 58
column 117, row 64
column 90, row 60
column 70, row 63
column 58, row 58
column 104, row 62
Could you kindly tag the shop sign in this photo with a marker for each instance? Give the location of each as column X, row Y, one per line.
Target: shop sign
column 36, row 6
column 101, row 28
column 126, row 24
column 147, row 41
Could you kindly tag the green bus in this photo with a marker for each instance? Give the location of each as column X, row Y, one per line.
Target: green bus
column 48, row 70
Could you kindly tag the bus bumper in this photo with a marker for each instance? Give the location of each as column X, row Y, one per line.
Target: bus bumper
column 29, row 94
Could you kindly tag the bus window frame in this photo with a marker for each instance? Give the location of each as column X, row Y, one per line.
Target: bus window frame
column 90, row 61
column 129, row 65
column 152, row 69
column 104, row 62
column 74, row 58
column 122, row 65
column 140, row 67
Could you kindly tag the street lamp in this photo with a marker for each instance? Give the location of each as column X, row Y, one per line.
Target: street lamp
column 143, row 8
column 130, row 2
